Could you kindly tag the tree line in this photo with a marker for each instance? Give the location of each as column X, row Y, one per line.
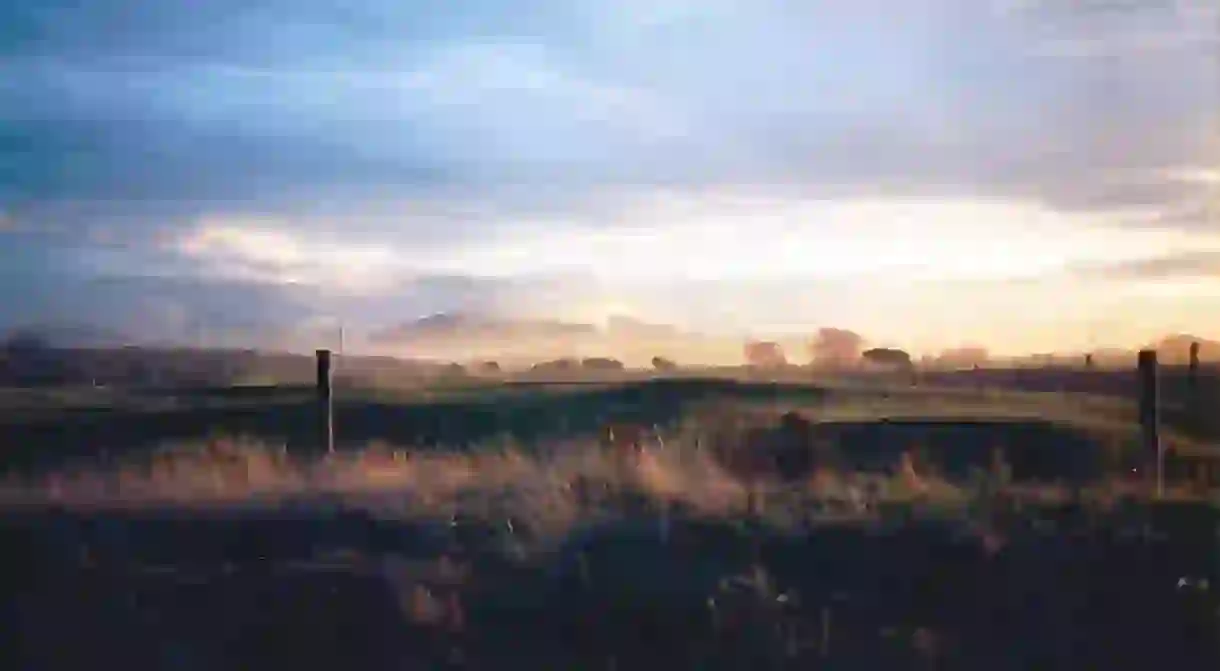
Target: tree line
column 843, row 349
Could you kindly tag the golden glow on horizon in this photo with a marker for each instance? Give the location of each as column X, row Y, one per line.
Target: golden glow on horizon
column 924, row 274
column 963, row 240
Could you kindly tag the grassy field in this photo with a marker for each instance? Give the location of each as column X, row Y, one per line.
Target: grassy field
column 46, row 425
column 487, row 528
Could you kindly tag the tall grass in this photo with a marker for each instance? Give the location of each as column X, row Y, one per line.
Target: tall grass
column 554, row 485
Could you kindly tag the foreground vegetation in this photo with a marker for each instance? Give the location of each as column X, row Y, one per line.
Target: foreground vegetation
column 570, row 556
column 914, row 542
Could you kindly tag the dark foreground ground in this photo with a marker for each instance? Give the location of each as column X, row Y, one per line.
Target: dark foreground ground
column 1048, row 589
column 1041, row 589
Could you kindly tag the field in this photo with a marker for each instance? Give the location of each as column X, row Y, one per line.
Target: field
column 484, row 526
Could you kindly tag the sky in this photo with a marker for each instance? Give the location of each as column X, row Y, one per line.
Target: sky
column 1030, row 175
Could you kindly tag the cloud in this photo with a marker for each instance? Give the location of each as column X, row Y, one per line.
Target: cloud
column 716, row 260
column 246, row 250
column 209, row 307
column 1210, row 177
column 743, row 235
column 269, row 107
column 723, row 163
column 150, row 309
column 1119, row 29
column 1183, row 265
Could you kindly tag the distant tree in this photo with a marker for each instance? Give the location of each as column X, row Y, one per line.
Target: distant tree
column 25, row 342
column 663, row 364
column 27, row 358
column 454, row 370
column 765, row 354
column 556, row 365
column 601, row 364
column 489, row 367
column 835, row 348
column 887, row 357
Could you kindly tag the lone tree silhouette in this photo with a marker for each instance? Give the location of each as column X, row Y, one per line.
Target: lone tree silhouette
column 601, row 363
column 663, row 364
column 556, row 365
column 888, row 357
column 835, row 348
column 765, row 354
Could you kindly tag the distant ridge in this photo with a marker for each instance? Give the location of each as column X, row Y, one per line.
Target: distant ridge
column 68, row 336
column 461, row 325
column 1176, row 348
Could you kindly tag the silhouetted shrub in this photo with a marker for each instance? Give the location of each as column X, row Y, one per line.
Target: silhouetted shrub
column 663, row 364
column 765, row 354
column 601, row 364
column 888, row 357
column 835, row 348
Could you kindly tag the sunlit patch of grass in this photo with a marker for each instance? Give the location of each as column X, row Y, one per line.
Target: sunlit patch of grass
column 549, row 487
column 558, row 483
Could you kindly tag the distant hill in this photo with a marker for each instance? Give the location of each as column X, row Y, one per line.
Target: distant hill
column 1175, row 349
column 449, row 326
column 176, row 367
column 64, row 335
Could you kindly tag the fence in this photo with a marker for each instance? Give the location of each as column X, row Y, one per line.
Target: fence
column 1198, row 466
column 326, row 414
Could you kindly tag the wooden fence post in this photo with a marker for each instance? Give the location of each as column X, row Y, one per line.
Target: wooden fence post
column 1149, row 410
column 1192, row 371
column 1194, row 397
column 326, row 429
